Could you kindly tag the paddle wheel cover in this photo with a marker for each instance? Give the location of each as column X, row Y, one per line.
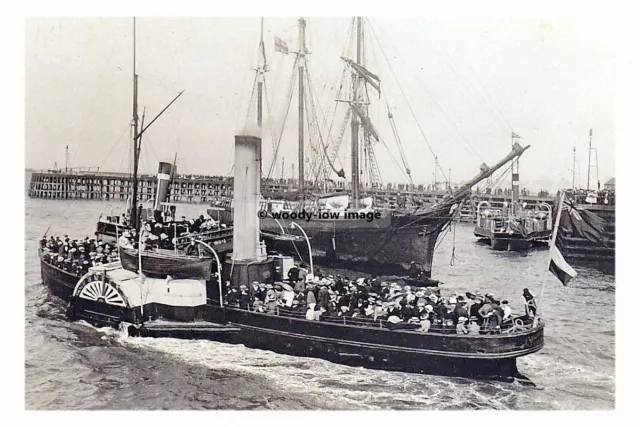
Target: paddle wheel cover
column 99, row 289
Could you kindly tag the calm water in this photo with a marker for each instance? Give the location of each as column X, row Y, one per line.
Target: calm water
column 75, row 366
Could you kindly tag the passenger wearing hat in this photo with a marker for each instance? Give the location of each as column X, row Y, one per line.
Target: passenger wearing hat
column 258, row 305
column 506, row 310
column 262, row 292
column 461, row 329
column 255, row 289
column 323, row 297
column 459, row 311
column 244, row 298
column 233, row 296
column 270, row 299
column 425, row 323
column 474, row 307
column 379, row 312
column 370, row 307
column 473, row 328
column 311, row 296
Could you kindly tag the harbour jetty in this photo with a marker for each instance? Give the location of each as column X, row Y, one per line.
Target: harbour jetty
column 99, row 185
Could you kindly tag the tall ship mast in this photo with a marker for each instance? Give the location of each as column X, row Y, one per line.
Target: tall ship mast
column 346, row 226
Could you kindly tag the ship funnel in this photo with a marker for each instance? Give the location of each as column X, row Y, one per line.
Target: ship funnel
column 164, row 178
column 246, row 199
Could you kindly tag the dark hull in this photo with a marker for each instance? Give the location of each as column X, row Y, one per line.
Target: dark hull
column 161, row 265
column 511, row 242
column 383, row 246
column 483, row 356
column 60, row 282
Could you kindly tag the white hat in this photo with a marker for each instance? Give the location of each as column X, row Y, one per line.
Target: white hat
column 393, row 319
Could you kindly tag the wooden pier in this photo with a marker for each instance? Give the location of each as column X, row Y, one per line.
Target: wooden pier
column 93, row 185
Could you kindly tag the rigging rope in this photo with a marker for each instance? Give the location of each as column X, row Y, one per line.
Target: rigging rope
column 433, row 100
column 424, row 136
column 453, row 260
column 284, row 119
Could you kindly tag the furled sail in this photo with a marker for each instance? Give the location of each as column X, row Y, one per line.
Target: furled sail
column 371, row 78
column 366, row 123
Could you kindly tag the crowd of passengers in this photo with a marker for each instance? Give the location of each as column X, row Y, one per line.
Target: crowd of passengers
column 77, row 255
column 600, row 197
column 162, row 232
column 389, row 304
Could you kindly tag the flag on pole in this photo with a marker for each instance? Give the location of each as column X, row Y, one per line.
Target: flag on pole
column 559, row 267
column 281, row 45
column 515, row 135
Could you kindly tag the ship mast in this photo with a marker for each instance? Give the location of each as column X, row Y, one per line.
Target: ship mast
column 355, row 150
column 262, row 68
column 300, row 58
column 589, row 167
column 573, row 173
column 515, row 178
column 134, row 141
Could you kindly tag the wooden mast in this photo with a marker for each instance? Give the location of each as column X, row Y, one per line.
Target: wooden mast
column 262, row 66
column 300, row 58
column 589, row 165
column 134, row 197
column 355, row 163
column 573, row 172
column 515, row 179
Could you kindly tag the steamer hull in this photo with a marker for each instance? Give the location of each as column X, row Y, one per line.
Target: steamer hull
column 485, row 356
column 60, row 282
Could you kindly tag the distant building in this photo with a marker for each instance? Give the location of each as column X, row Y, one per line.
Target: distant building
column 610, row 185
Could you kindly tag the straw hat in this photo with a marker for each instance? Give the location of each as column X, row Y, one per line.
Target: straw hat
column 393, row 319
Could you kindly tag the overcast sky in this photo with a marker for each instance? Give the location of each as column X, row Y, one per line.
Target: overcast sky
column 468, row 82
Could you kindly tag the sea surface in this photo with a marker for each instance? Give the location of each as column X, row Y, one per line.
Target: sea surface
column 76, row 366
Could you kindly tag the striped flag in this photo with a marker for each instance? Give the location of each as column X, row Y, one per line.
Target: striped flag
column 559, row 267
column 515, row 135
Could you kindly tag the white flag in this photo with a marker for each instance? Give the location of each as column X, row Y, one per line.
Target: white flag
column 281, row 45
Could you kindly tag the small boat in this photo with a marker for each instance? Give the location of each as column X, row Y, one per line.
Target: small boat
column 162, row 264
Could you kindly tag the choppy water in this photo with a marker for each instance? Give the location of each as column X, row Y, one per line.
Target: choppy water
column 75, row 366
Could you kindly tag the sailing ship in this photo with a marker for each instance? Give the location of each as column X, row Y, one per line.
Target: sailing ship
column 513, row 227
column 388, row 244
